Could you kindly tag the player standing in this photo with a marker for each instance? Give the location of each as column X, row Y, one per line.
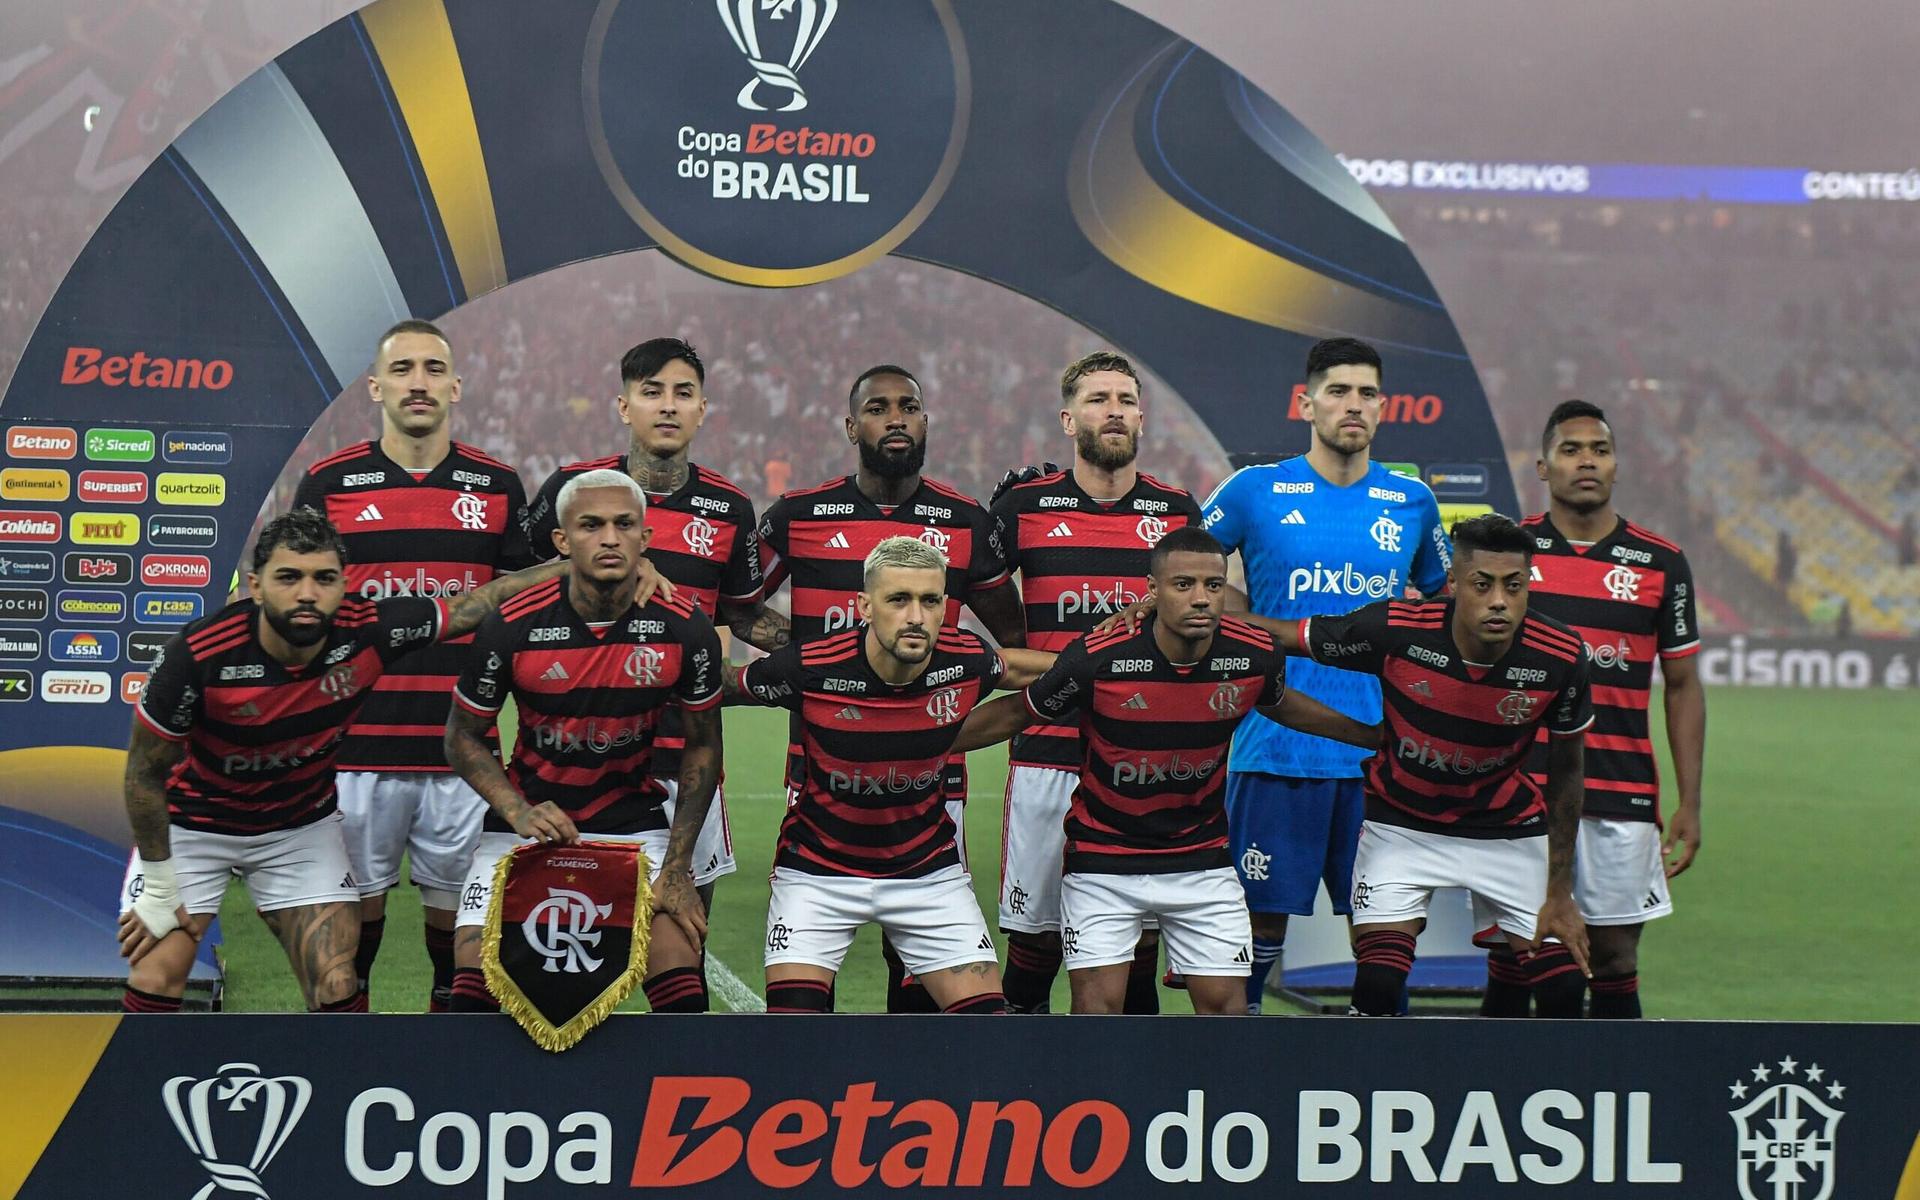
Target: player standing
column 231, row 765
column 1469, row 682
column 421, row 515
column 868, row 837
column 592, row 670
column 1080, row 539
column 1330, row 529
column 1629, row 595
column 817, row 539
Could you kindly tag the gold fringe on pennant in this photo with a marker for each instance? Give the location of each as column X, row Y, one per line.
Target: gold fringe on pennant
column 514, row 1002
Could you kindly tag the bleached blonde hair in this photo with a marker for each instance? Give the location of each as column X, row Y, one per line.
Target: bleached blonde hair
column 603, row 477
column 901, row 553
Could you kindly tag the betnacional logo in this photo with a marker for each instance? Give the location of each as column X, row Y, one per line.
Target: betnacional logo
column 200, row 491
column 172, row 529
column 16, row 685
column 23, row 604
column 83, row 645
column 119, row 445
column 1457, row 479
column 235, row 1122
column 133, row 685
column 19, row 645
column 80, row 566
column 46, row 484
column 104, row 529
column 92, row 365
column 26, row 566
column 42, row 441
column 750, row 141
column 29, row 525
column 176, row 570
column 143, row 647
column 75, row 687
column 167, row 608
column 90, row 608
column 1403, row 408
column 189, row 447
column 113, row 487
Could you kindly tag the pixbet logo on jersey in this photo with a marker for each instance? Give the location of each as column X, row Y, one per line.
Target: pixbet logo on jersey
column 1102, row 601
column 1344, row 580
column 386, row 587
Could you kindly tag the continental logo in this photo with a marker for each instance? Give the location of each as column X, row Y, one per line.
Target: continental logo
column 46, row 484
column 90, row 364
column 42, row 441
column 104, row 529
column 1404, row 408
column 90, row 607
column 29, row 526
column 196, row 491
column 113, row 487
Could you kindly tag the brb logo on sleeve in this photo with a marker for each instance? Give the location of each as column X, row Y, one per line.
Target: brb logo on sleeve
column 750, row 141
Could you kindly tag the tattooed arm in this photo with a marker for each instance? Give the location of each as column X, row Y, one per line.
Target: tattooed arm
column 757, row 625
column 673, row 891
column 468, row 755
column 157, row 911
column 465, row 613
column 1566, row 792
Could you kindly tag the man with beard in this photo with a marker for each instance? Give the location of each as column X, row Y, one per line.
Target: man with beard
column 1629, row 594
column 421, row 515
column 231, row 765
column 818, row 538
column 1327, row 531
column 1080, row 539
column 592, row 670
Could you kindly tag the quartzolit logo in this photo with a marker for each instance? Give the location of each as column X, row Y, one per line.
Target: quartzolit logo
column 751, row 142
column 251, row 1114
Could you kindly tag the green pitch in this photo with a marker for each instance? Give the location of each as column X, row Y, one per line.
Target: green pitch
column 1794, row 910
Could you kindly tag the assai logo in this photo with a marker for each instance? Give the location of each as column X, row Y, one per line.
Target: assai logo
column 28, row 525
column 113, row 487
column 42, row 441
column 167, row 608
column 16, row 685
column 176, row 570
column 83, row 645
column 75, row 687
column 19, row 645
column 200, row 491
column 104, row 529
column 82, row 566
column 26, row 566
column 48, row 485
column 170, row 529
column 23, row 604
column 145, row 647
column 750, row 142
column 179, row 447
column 119, row 445
column 235, row 1122
column 90, row 364
column 91, row 608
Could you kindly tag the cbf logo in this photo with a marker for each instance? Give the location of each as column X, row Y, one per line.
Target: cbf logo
column 560, row 930
column 470, row 510
column 698, row 534
column 1623, row 583
column 1785, row 1134
column 944, row 706
column 1386, row 534
column 811, row 20
column 1151, row 529
column 268, row 1108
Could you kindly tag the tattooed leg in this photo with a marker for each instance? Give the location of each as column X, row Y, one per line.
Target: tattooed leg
column 959, row 983
column 320, row 940
column 466, row 947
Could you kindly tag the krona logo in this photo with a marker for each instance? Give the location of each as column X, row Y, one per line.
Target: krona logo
column 90, row 364
column 1402, row 409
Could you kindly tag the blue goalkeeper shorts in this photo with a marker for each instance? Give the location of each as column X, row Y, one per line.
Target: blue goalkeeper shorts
column 1288, row 835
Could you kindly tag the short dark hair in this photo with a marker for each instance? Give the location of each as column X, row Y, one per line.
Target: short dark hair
column 651, row 356
column 853, row 393
column 1340, row 352
column 1493, row 533
column 1099, row 360
column 1569, row 410
column 304, row 531
column 410, row 325
column 1188, row 539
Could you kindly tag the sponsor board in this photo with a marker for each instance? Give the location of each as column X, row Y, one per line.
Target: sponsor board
column 104, row 529
column 144, row 647
column 176, row 570
column 1743, row 660
column 1457, row 479
column 1405, row 470
column 42, row 441
column 174, row 529
column 25, row 566
column 90, row 607
column 23, row 604
column 133, row 685
column 112, row 487
column 49, row 485
column 19, row 645
column 119, row 445
column 177, row 446
column 83, row 645
column 30, row 526
column 1451, row 513
column 75, row 687
column 190, row 490
column 16, row 685
column 81, row 566
column 167, row 608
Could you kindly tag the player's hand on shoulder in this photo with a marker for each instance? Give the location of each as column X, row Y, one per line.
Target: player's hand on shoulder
column 546, row 823
column 652, row 583
column 1016, row 477
column 1129, row 617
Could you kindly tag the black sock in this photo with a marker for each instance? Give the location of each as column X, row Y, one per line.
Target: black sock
column 370, row 934
column 904, row 994
column 356, row 1003
column 1558, row 987
column 1508, row 994
column 470, row 994
column 1143, row 981
column 1616, row 997
column 799, row 996
column 1033, row 963
column 984, row 1004
column 133, row 1000
column 440, row 954
column 1383, row 959
column 680, row 990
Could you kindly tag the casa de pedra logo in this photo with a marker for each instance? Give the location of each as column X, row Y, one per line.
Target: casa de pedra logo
column 749, row 137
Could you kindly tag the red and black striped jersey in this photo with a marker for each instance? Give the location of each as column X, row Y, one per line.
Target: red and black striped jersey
column 1458, row 733
column 263, row 738
column 589, row 698
column 1081, row 561
column 870, row 800
column 705, row 541
column 445, row 532
column 819, row 538
column 1630, row 598
column 1154, row 741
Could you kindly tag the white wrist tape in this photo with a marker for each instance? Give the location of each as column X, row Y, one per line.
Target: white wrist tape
column 159, row 898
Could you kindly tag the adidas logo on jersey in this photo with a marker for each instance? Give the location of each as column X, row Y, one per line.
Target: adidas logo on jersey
column 1294, row 518
column 1061, row 530
column 1245, row 955
column 249, row 709
column 839, row 541
column 370, row 513
column 555, row 672
column 850, row 713
column 1136, row 702
column 1423, row 688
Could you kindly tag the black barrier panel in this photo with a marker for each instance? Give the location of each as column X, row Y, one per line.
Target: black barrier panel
column 731, row 1106
column 1743, row 660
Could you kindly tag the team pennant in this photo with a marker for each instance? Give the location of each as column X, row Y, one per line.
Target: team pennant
column 566, row 936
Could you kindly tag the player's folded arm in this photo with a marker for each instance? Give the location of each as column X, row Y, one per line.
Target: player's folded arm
column 992, row 723
column 1297, row 710
column 1021, row 667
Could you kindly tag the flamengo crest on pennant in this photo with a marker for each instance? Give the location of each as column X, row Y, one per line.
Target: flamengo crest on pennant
column 560, row 929
column 277, row 1104
column 1785, row 1134
column 812, row 18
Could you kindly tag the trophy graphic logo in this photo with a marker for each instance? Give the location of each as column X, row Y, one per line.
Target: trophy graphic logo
column 811, row 19
column 276, row 1103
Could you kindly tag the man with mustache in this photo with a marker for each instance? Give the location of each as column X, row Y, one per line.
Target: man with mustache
column 231, row 764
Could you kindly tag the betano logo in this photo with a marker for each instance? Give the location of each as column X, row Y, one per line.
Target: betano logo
column 42, row 441
column 46, row 484
column 104, row 529
column 90, row 364
column 197, row 491
column 1401, row 409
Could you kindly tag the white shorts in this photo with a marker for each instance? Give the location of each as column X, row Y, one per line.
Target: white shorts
column 292, row 868
column 713, row 849
column 478, row 892
column 957, row 812
column 1396, row 870
column 933, row 921
column 1203, row 920
column 430, row 816
column 1619, row 875
column 1033, row 844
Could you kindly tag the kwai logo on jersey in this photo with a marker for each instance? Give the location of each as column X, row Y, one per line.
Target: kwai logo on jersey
column 1344, row 580
column 249, row 1113
column 1785, row 1134
column 702, row 127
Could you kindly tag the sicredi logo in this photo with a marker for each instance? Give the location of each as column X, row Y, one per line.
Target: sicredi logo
column 23, row 604
column 176, row 570
column 104, row 529
column 91, row 608
column 19, row 645
column 90, row 364
column 119, row 445
column 45, row 484
column 198, row 491
column 80, row 566
column 26, row 566
column 42, row 441
column 179, row 447
column 83, row 645
column 167, row 608
column 166, row 529
column 75, row 687
column 16, row 685
column 113, row 487
column 144, row 647
column 30, row 525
